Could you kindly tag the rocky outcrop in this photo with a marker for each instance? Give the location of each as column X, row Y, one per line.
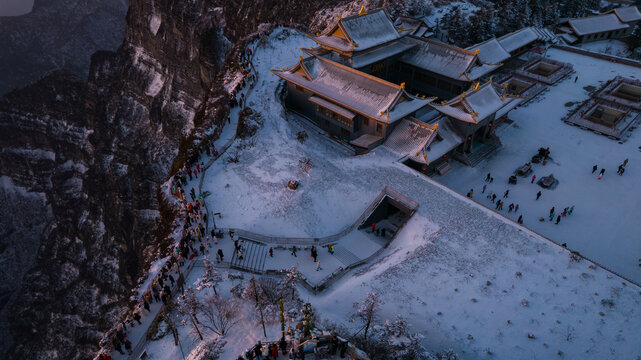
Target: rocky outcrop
column 58, row 34
column 87, row 160
column 81, row 164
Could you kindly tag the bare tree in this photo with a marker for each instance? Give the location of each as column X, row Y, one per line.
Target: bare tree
column 367, row 311
column 254, row 294
column 210, row 279
column 188, row 307
column 219, row 315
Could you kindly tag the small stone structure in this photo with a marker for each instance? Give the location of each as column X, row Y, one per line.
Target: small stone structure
column 548, row 182
column 613, row 109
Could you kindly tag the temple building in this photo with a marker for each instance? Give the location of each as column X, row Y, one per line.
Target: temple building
column 370, row 42
column 613, row 24
column 370, row 79
column 352, row 105
column 473, row 116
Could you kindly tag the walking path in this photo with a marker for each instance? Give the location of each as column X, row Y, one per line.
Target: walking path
column 138, row 334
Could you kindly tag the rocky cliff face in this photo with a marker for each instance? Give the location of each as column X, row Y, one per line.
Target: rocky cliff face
column 81, row 163
column 58, row 34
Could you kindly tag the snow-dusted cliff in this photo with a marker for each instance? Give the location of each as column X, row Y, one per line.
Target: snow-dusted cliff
column 81, row 163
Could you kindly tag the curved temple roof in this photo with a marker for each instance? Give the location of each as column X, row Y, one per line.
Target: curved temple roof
column 352, row 89
column 359, row 32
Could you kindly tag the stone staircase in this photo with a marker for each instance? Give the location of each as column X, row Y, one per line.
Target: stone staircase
column 345, row 256
column 475, row 157
column 253, row 260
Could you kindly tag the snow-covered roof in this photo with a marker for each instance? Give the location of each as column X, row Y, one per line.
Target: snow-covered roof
column 366, row 140
column 406, row 25
column 596, row 24
column 354, row 90
column 517, row 39
column 448, row 139
column 363, row 58
column 544, row 34
column 410, row 137
column 437, row 57
column 475, row 105
column 627, row 14
column 359, row 32
column 490, row 51
column 570, row 39
column 371, row 56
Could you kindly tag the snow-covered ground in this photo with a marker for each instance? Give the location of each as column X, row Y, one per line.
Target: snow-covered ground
column 605, row 223
column 609, row 47
column 465, row 277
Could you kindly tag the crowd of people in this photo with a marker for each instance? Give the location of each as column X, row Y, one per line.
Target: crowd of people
column 514, row 207
column 194, row 239
column 262, row 351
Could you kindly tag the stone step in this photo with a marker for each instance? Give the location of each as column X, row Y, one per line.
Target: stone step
column 345, row 256
column 254, row 255
column 479, row 155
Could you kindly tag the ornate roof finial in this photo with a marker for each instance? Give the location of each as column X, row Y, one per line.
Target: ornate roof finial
column 402, row 85
column 300, row 58
column 490, row 81
column 463, row 95
column 362, row 11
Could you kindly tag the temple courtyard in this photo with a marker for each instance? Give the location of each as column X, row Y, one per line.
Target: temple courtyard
column 604, row 225
column 464, row 276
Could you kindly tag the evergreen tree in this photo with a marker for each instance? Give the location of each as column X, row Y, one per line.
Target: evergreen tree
column 308, row 319
column 481, row 27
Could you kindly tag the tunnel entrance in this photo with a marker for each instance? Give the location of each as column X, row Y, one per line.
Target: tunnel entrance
column 390, row 214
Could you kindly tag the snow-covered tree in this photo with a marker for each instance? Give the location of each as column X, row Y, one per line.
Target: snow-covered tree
column 400, row 342
column 367, row 311
column 211, row 278
column 218, row 314
column 188, row 308
column 211, row 349
column 290, row 280
column 253, row 293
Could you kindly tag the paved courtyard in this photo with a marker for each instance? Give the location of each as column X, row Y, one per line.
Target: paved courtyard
column 605, row 224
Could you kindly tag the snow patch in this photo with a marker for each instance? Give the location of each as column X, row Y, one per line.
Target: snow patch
column 154, row 23
column 156, row 84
